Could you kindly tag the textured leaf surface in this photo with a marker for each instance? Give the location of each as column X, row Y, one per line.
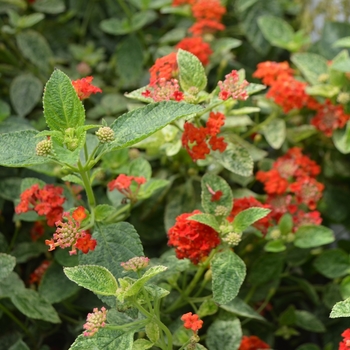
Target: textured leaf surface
column 228, row 275
column 49, row 6
column 27, row 250
column 206, row 219
column 275, row 133
column 25, row 93
column 93, row 277
column 215, row 183
column 341, row 309
column 19, row 345
column 7, row 264
column 191, row 71
column 333, row 263
column 341, row 139
column 138, row 124
column 247, row 217
column 18, row 149
column 62, row 107
column 31, row 304
column 10, row 285
column 306, row 320
column 311, row 236
column 238, row 307
column 311, row 65
column 105, row 339
column 224, row 335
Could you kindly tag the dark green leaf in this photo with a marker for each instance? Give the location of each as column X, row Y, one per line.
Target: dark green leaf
column 19, row 345
column 308, row 321
column 333, row 263
column 311, row 236
column 7, row 264
column 49, row 6
column 27, row 250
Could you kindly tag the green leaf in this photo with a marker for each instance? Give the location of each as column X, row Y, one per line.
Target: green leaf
column 275, row 246
column 228, row 275
column 151, row 186
column 208, row 307
column 333, row 263
column 238, row 307
column 276, row 31
column 308, row 346
column 49, row 6
column 224, row 335
column 152, row 331
column 103, row 211
column 341, row 309
column 191, row 71
column 308, row 321
column 19, row 345
column 311, row 65
column 10, row 188
column 5, row 110
column 29, row 20
column 300, row 133
column 93, row 277
column 236, row 159
column 25, row 93
column 138, row 124
column 63, row 257
column 341, row 139
column 105, row 339
column 55, row 286
column 343, row 42
column 27, row 250
column 206, row 219
column 62, row 107
column 35, row 48
column 275, row 133
column 116, row 243
column 285, row 224
column 10, row 285
column 324, row 90
column 311, row 236
column 342, row 66
column 212, row 182
column 7, row 264
column 142, row 344
column 345, row 287
column 31, row 304
column 247, row 217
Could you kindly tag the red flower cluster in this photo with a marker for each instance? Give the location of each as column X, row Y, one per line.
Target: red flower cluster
column 194, row 139
column 198, row 47
column 69, row 234
column 269, row 71
column 123, row 184
column 164, row 90
column 233, row 87
column 46, row 201
column 291, row 187
column 84, row 88
column 37, row 230
column 192, row 321
column 164, row 67
column 36, row 276
column 191, row 239
column 329, row 117
column 240, row 204
column 345, row 344
column 252, row 343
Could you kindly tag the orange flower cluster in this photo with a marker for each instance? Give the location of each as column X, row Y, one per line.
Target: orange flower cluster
column 124, row 184
column 84, row 88
column 194, row 139
column 191, row 239
column 252, row 343
column 46, row 201
column 291, row 187
column 192, row 321
column 345, row 344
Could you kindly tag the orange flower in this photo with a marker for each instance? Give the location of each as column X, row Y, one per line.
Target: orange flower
column 84, row 88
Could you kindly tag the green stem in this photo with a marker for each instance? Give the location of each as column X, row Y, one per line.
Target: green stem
column 125, row 8
column 250, row 294
column 258, row 127
column 14, row 237
column 125, row 208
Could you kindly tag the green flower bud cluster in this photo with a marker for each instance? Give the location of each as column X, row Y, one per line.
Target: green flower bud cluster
column 44, row 148
column 105, row 134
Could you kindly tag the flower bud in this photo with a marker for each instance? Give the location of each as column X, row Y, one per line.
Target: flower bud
column 43, row 148
column 105, row 134
column 343, row 98
column 232, row 238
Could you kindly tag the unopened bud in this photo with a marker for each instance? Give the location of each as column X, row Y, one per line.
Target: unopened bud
column 232, row 238
column 43, row 148
column 290, row 237
column 322, row 78
column 221, row 210
column 343, row 98
column 208, row 275
column 275, row 234
column 105, row 134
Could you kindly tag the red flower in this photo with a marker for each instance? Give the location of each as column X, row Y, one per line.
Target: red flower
column 329, row 118
column 217, row 144
column 79, row 214
column 269, row 71
column 37, row 230
column 192, row 239
column 215, row 122
column 84, row 88
column 233, row 87
column 182, row 2
column 252, row 343
column 205, row 26
column 301, row 218
column 273, row 182
column 85, row 243
column 38, row 273
column 123, row 184
column 345, row 344
column 197, row 47
column 192, row 321
column 208, row 10
column 164, row 67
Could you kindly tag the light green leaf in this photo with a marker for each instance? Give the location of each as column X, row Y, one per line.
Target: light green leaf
column 206, row 219
column 105, row 339
column 29, row 20
column 236, row 159
column 254, row 88
column 275, row 246
column 333, row 263
column 25, row 93
column 341, row 309
column 151, row 186
column 228, row 275
column 300, row 133
column 341, row 139
column 285, row 224
column 311, row 236
column 55, row 286
column 324, row 90
column 10, row 285
column 138, row 124
column 49, row 6
column 308, row 321
column 342, row 66
column 247, row 217
column 191, row 71
column 103, row 211
column 343, row 42
column 216, row 183
column 62, row 107
column 7, row 264
column 31, row 304
column 152, row 331
column 35, row 48
column 224, row 335
column 142, row 344
column 275, row 133
column 311, row 65
column 277, row 31
column 5, row 110
column 208, row 307
column 93, row 277
column 238, row 307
